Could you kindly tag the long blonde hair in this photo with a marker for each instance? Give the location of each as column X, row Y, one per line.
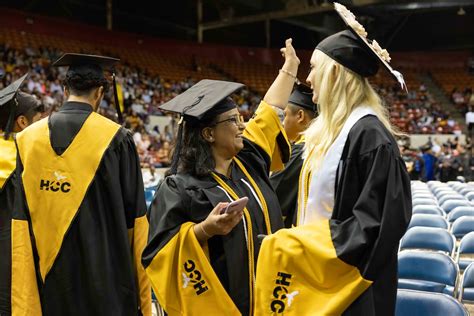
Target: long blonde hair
column 340, row 92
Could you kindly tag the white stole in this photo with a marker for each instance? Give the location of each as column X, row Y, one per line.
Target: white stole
column 320, row 201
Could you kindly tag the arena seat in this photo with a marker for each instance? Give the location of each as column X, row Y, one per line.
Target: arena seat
column 462, row 226
column 417, row 195
column 428, row 209
column 427, row 271
column 429, row 238
column 416, row 202
column 417, row 303
column 470, row 196
column 149, row 194
column 448, row 206
column 428, row 220
column 465, row 253
column 460, row 211
column 467, row 189
column 450, row 197
column 466, row 288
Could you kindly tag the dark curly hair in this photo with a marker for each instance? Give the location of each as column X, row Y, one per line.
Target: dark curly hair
column 195, row 156
column 81, row 80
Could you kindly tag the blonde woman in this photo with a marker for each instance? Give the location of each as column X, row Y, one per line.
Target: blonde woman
column 354, row 200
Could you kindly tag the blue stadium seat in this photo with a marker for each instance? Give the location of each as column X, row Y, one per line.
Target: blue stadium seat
column 429, row 238
column 416, row 303
column 448, row 206
column 467, row 190
column 428, row 220
column 428, row 209
column 465, row 249
column 462, row 226
column 423, row 196
column 427, row 271
column 450, row 197
column 149, row 194
column 442, row 194
column 460, row 211
column 416, row 202
column 470, row 196
column 466, row 290
column 439, row 189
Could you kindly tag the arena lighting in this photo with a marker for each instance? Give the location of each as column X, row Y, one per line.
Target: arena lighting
column 461, row 11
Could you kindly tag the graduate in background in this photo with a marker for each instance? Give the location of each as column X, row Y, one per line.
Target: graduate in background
column 354, row 194
column 17, row 111
column 201, row 261
column 299, row 113
column 79, row 223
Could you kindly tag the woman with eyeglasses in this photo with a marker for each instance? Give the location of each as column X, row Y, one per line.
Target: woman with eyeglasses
column 200, row 258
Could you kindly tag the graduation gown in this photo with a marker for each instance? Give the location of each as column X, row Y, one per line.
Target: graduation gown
column 216, row 278
column 349, row 264
column 285, row 182
column 7, row 194
column 78, row 253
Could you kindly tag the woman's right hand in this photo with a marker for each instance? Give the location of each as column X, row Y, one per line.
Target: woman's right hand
column 289, row 53
column 217, row 223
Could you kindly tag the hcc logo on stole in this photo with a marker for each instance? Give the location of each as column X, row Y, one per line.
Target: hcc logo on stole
column 280, row 293
column 193, row 276
column 57, row 184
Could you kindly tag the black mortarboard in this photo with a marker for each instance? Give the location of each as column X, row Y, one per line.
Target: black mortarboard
column 302, row 96
column 203, row 101
column 90, row 70
column 10, row 94
column 352, row 49
column 205, row 96
column 345, row 48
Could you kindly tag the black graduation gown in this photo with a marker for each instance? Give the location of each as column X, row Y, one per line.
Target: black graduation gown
column 184, row 198
column 285, row 184
column 352, row 257
column 7, row 194
column 371, row 213
column 96, row 271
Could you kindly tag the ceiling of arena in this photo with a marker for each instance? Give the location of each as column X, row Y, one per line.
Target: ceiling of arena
column 399, row 25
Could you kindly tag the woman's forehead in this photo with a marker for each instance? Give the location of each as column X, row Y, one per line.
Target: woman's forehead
column 229, row 113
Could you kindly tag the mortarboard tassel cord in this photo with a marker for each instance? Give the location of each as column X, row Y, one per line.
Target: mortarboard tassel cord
column 11, row 118
column 177, row 150
column 179, row 138
column 116, row 99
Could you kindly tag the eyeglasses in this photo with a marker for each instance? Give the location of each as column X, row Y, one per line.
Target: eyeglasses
column 236, row 119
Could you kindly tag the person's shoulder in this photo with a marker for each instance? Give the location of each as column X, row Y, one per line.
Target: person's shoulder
column 368, row 134
column 188, row 182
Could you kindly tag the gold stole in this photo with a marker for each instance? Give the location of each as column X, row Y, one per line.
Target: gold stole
column 248, row 219
column 7, row 159
column 55, row 189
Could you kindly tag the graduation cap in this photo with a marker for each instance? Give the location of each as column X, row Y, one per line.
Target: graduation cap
column 202, row 102
column 10, row 94
column 352, row 49
column 302, row 96
column 90, row 70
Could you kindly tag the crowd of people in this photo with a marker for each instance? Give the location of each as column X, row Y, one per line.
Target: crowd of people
column 418, row 112
column 462, row 99
column 444, row 161
column 414, row 113
column 143, row 93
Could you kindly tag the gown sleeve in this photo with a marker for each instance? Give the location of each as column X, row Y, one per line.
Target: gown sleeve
column 177, row 265
column 25, row 299
column 297, row 275
column 381, row 213
column 285, row 184
column 137, row 222
column 265, row 140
